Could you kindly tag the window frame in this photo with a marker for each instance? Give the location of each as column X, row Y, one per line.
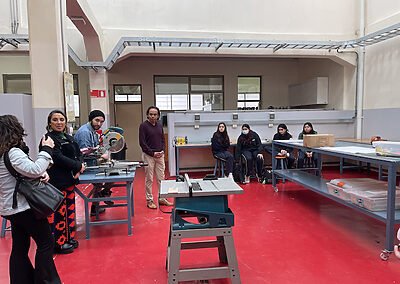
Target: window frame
column 250, row 101
column 127, row 95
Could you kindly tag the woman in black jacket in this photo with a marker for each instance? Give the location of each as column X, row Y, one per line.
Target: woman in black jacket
column 307, row 155
column 220, row 144
column 283, row 134
column 64, row 174
column 249, row 146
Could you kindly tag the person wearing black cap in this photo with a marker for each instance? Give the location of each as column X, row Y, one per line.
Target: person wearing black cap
column 87, row 138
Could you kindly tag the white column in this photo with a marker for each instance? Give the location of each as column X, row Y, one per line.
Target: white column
column 47, row 60
column 98, row 80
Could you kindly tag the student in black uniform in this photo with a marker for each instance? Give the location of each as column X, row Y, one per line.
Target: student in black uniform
column 249, row 147
column 220, row 144
column 306, row 155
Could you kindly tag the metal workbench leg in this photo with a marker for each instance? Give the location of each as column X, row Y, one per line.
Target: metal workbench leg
column 391, row 197
column 3, row 228
column 232, row 260
column 273, row 160
column 174, row 258
column 176, row 160
column 129, row 205
column 341, row 164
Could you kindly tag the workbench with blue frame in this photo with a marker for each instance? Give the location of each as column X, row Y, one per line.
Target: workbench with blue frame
column 98, row 176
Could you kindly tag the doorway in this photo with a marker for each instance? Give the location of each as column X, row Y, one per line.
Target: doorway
column 128, row 116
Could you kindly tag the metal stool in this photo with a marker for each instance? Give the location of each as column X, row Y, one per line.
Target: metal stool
column 283, row 163
column 219, row 166
column 4, row 228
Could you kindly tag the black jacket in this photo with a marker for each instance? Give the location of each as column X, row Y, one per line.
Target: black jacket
column 219, row 143
column 67, row 160
column 250, row 142
column 286, row 136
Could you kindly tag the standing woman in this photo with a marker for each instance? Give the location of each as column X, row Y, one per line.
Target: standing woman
column 220, row 144
column 249, row 146
column 307, row 129
column 64, row 175
column 23, row 223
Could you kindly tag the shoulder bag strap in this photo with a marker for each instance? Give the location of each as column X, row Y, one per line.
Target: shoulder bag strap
column 15, row 174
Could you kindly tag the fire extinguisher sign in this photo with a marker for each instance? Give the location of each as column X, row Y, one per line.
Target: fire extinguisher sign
column 98, row 93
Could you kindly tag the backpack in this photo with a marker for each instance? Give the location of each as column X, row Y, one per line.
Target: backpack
column 266, row 176
column 238, row 173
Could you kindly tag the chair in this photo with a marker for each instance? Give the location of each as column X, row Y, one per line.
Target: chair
column 219, row 166
column 283, row 163
column 4, row 228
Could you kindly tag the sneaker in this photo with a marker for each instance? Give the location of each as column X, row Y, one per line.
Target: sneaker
column 163, row 201
column 247, row 179
column 151, row 205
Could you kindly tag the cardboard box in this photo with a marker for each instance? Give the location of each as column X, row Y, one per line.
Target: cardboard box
column 318, row 140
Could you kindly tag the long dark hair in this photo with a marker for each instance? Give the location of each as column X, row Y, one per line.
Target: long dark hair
column 312, row 128
column 223, row 137
column 48, row 127
column 11, row 133
column 246, row 139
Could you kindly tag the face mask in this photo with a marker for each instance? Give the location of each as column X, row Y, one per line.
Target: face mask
column 245, row 132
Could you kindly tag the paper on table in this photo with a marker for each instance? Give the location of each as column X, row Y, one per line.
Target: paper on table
column 351, row 149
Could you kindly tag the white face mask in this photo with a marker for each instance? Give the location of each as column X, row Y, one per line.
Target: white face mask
column 245, row 132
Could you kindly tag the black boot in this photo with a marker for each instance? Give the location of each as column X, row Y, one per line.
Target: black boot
column 64, row 249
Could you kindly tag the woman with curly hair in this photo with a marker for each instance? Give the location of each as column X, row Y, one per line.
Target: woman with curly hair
column 24, row 224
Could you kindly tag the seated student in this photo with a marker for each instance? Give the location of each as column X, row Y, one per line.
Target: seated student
column 306, row 155
column 249, row 146
column 220, row 144
column 283, row 134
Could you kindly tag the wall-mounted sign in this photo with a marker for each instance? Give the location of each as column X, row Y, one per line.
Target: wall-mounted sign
column 98, row 93
column 69, row 96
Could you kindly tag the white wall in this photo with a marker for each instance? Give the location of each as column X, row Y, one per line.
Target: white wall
column 252, row 19
column 277, row 75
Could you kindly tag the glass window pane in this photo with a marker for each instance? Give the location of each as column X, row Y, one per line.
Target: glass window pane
column 134, row 98
column 163, row 102
column 128, row 90
column 196, row 102
column 169, row 85
column 252, row 104
column 206, row 83
column 253, row 96
column 19, row 83
column 240, row 104
column 179, row 102
column 120, row 98
column 249, row 84
column 240, row 97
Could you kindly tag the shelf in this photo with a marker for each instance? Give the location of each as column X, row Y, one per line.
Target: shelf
column 318, row 185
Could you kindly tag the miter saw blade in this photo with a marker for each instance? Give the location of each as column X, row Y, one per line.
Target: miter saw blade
column 113, row 142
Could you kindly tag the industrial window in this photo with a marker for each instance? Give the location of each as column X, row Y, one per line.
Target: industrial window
column 249, row 93
column 189, row 93
column 127, row 93
column 17, row 83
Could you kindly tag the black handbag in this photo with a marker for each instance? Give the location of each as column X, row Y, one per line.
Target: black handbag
column 43, row 198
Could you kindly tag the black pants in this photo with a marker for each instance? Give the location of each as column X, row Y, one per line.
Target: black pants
column 24, row 226
column 251, row 158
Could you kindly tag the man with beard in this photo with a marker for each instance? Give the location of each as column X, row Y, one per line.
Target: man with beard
column 152, row 142
column 87, row 139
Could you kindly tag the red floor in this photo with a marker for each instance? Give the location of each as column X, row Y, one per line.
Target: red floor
column 293, row 236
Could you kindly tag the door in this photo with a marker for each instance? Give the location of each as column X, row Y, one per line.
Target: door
column 128, row 116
